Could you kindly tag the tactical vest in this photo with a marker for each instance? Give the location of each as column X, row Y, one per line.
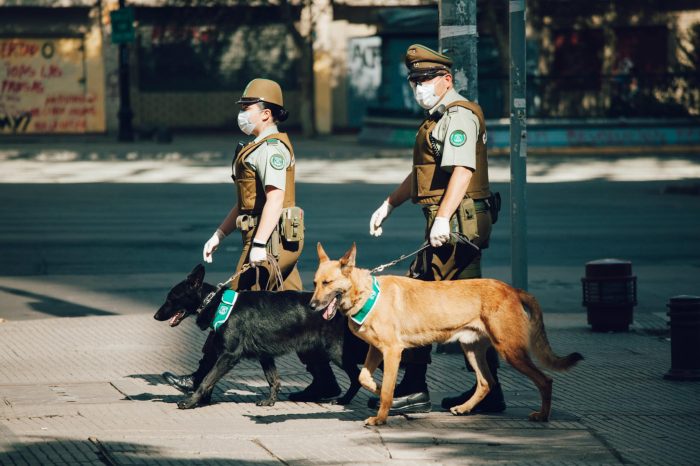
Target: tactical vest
column 251, row 192
column 429, row 181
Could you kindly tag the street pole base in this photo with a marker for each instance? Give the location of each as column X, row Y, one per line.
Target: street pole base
column 683, row 374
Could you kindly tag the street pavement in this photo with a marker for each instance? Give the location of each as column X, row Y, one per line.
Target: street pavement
column 93, row 233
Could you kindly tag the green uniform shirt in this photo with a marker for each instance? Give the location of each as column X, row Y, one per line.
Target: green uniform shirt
column 270, row 160
column 456, row 133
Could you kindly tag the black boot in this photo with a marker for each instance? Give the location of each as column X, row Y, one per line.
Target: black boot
column 494, row 401
column 323, row 388
column 184, row 383
column 189, row 383
column 411, row 395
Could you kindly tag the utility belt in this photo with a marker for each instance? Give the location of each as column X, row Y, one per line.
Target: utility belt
column 462, row 221
column 289, row 228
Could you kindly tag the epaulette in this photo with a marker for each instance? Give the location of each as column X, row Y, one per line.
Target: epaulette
column 273, row 141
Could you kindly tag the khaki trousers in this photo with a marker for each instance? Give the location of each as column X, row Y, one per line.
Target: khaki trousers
column 447, row 263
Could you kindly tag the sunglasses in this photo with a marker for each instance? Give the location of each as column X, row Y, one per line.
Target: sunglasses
column 413, row 80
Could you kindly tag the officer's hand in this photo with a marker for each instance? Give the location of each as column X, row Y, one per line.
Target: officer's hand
column 440, row 232
column 257, row 255
column 378, row 217
column 211, row 245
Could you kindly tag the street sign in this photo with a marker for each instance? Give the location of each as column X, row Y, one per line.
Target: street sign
column 122, row 25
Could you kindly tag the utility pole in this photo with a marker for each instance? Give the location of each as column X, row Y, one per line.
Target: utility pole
column 518, row 144
column 458, row 39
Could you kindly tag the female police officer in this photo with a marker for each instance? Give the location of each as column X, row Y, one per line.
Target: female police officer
column 263, row 171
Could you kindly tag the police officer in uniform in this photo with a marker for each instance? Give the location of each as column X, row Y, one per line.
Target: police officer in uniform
column 449, row 180
column 263, row 171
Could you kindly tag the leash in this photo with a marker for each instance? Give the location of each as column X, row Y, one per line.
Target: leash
column 276, row 272
column 458, row 237
column 380, row 268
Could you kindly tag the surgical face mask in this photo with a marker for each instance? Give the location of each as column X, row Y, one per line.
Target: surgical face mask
column 425, row 95
column 244, row 122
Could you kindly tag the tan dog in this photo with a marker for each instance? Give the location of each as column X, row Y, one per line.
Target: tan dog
column 410, row 313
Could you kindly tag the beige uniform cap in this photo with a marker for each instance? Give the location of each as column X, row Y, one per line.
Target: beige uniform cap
column 262, row 90
column 421, row 60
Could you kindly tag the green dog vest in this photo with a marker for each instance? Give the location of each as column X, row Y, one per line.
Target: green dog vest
column 224, row 310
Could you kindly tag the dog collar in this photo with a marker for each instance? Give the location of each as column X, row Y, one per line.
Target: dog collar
column 228, row 299
column 362, row 314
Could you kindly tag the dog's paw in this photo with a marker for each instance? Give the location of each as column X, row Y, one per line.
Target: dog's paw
column 187, row 403
column 265, row 402
column 458, row 412
column 375, row 421
column 538, row 417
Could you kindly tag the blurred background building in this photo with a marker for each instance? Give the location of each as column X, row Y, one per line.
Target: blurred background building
column 340, row 63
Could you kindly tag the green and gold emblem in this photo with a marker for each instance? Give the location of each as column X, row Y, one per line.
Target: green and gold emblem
column 277, row 162
column 458, row 138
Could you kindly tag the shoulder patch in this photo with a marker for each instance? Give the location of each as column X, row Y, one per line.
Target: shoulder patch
column 277, row 161
column 458, row 138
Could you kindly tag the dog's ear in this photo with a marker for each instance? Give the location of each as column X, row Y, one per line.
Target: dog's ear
column 322, row 256
column 196, row 277
column 347, row 262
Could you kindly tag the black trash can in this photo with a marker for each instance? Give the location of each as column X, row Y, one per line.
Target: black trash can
column 609, row 294
column 684, row 318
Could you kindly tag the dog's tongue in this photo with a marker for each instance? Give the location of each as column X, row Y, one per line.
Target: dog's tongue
column 328, row 312
column 174, row 320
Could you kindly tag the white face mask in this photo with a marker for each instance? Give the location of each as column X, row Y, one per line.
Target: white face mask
column 425, row 95
column 244, row 122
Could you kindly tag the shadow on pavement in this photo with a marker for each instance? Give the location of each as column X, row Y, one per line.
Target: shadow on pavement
column 55, row 307
column 71, row 451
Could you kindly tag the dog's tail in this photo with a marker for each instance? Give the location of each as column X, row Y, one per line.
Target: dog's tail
column 538, row 337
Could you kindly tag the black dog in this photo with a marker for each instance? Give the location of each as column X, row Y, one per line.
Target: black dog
column 262, row 325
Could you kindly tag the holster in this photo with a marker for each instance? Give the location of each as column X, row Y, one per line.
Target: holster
column 494, row 204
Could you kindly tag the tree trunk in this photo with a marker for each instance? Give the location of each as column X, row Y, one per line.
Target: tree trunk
column 306, row 69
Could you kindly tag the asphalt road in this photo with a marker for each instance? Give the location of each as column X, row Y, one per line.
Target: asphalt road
column 109, row 248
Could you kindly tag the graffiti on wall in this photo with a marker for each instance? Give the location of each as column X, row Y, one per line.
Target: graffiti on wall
column 43, row 88
column 364, row 75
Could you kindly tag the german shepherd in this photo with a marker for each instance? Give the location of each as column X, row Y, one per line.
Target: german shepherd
column 411, row 313
column 263, row 324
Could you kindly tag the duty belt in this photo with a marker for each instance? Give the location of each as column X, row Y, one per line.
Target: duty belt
column 480, row 205
column 246, row 222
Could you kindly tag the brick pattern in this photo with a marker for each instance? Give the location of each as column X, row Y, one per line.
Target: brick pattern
column 64, row 381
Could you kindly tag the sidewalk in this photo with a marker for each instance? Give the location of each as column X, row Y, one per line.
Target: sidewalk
column 86, row 391
column 206, row 159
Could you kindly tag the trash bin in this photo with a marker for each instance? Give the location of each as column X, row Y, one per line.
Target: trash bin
column 684, row 319
column 609, row 294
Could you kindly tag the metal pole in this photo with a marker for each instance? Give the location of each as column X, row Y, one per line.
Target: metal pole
column 458, row 39
column 518, row 144
column 126, row 131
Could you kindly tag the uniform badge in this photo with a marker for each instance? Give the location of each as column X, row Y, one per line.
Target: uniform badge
column 458, row 138
column 277, row 162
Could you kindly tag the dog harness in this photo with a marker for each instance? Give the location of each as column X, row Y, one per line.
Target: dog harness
column 224, row 310
column 362, row 314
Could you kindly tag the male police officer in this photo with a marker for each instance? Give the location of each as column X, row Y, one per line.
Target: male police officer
column 450, row 182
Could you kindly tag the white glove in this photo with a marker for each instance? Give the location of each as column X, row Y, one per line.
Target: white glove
column 440, row 232
column 257, row 255
column 378, row 217
column 211, row 245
